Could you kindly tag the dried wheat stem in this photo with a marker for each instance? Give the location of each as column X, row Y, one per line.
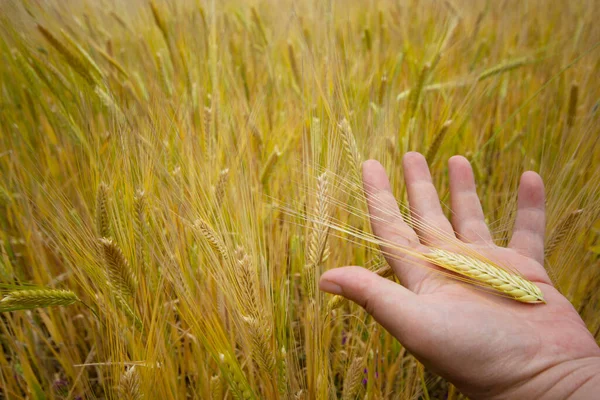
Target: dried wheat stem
column 37, row 298
column 561, row 231
column 487, row 274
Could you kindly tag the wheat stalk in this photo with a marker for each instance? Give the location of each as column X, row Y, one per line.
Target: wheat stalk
column 37, row 298
column 487, row 274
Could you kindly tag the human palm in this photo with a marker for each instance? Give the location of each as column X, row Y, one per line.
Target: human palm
column 488, row 346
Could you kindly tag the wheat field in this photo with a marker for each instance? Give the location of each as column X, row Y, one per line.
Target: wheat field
column 176, row 175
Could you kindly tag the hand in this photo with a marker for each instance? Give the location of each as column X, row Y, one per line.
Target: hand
column 488, row 346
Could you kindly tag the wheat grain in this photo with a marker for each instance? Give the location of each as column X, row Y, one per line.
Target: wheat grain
column 487, row 274
column 37, row 298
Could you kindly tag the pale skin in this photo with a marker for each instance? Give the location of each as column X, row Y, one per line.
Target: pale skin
column 488, row 346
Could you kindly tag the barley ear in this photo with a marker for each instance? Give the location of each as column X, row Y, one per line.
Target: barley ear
column 437, row 141
column 212, row 238
column 37, row 298
column 129, row 385
column 119, row 273
column 488, row 275
column 561, row 232
column 102, row 220
column 353, row 379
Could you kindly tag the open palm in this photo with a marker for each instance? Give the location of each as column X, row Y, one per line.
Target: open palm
column 488, row 346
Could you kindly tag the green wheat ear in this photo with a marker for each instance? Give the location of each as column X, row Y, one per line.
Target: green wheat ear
column 38, row 298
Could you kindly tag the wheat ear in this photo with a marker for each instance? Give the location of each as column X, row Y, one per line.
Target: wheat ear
column 102, row 221
column 561, row 231
column 221, row 186
column 129, row 385
column 487, row 274
column 260, row 337
column 37, row 298
column 317, row 242
column 217, row 391
column 353, row 379
column 437, row 141
column 120, row 276
column 351, row 152
column 140, row 229
column 212, row 238
column 236, row 379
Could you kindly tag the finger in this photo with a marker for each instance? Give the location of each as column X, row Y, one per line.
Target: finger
column 396, row 308
column 431, row 223
column 467, row 215
column 528, row 234
column 388, row 224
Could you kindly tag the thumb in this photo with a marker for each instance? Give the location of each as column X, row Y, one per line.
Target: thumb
column 392, row 305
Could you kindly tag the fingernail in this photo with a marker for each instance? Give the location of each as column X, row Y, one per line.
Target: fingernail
column 330, row 287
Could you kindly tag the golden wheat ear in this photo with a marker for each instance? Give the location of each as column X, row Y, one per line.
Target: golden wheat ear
column 38, row 298
column 487, row 274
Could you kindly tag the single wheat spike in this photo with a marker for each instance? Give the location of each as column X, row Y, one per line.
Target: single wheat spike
column 212, row 238
column 293, row 64
column 415, row 94
column 504, row 67
column 129, row 385
column 75, row 62
column 260, row 341
column 102, row 221
column 489, row 275
column 221, row 186
column 119, row 273
column 240, row 388
column 317, row 241
column 282, row 371
column 437, row 141
column 37, row 298
column 216, row 388
column 351, row 152
column 139, row 208
column 561, row 231
column 269, row 165
column 159, row 21
column 353, row 379
column 248, row 284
